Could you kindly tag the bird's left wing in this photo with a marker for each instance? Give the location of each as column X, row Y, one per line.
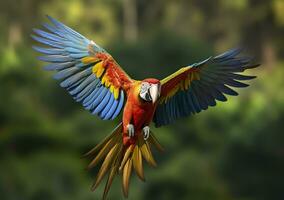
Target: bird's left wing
column 194, row 88
column 86, row 70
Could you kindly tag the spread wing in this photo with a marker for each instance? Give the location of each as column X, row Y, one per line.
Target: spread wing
column 194, row 88
column 86, row 70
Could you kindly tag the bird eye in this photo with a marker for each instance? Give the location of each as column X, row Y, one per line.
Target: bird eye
column 144, row 87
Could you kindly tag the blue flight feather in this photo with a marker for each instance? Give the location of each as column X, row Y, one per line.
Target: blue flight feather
column 55, row 58
column 98, row 100
column 86, row 91
column 88, row 101
column 112, row 109
column 49, row 36
column 82, row 85
column 49, row 51
column 118, row 109
column 102, row 104
column 107, row 107
column 72, row 50
column 54, row 30
column 47, row 42
column 58, row 66
column 76, row 77
column 65, row 73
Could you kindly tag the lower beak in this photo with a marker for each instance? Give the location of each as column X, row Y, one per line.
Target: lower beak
column 154, row 93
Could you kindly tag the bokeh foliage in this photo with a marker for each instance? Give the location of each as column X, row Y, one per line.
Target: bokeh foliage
column 233, row 151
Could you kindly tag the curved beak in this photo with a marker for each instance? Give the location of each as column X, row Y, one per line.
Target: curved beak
column 154, row 92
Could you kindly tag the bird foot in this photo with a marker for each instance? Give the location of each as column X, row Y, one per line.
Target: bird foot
column 146, row 132
column 130, row 129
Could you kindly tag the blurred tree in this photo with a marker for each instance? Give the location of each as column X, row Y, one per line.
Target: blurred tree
column 130, row 20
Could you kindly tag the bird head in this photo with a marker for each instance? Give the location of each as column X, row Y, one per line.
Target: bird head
column 150, row 90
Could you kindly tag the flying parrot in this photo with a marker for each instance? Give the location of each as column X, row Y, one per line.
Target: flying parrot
column 93, row 78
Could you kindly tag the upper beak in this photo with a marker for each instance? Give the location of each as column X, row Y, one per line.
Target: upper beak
column 154, row 92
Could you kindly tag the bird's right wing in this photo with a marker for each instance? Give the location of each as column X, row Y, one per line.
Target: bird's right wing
column 196, row 87
column 85, row 69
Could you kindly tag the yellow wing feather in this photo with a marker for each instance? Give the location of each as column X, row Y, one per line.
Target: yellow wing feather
column 180, row 80
column 99, row 69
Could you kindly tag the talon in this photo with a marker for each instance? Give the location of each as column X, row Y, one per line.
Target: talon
column 146, row 132
column 130, row 129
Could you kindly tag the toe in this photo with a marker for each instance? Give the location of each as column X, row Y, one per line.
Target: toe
column 146, row 132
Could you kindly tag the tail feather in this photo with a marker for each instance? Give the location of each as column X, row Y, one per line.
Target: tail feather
column 125, row 177
column 138, row 163
column 126, row 156
column 118, row 158
column 153, row 140
column 109, row 159
column 102, row 144
column 112, row 173
column 147, row 154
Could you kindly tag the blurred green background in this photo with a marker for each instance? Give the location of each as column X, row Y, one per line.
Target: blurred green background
column 233, row 151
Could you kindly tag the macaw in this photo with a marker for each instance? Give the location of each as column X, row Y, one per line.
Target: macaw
column 93, row 78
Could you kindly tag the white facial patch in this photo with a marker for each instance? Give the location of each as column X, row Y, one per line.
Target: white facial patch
column 144, row 91
column 145, row 87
